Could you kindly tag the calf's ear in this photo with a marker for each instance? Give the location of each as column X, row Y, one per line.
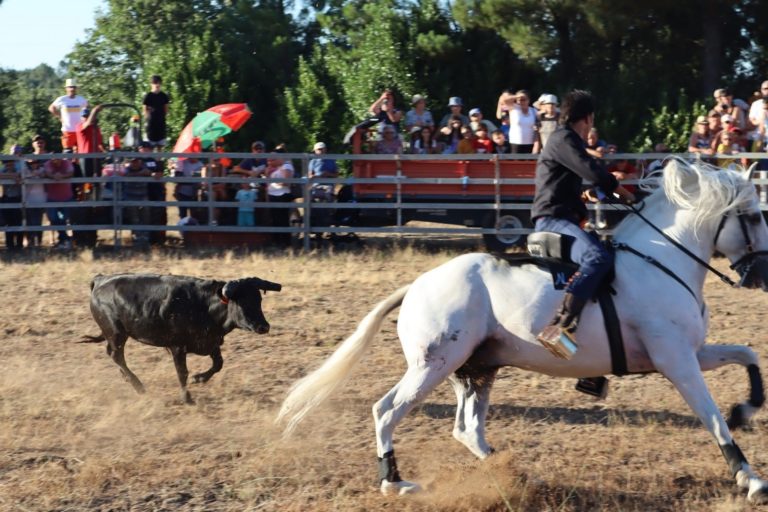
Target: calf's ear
column 269, row 286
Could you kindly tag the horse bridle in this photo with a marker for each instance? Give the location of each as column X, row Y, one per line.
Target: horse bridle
column 743, row 265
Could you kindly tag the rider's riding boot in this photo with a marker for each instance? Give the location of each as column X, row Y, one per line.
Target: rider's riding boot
column 559, row 336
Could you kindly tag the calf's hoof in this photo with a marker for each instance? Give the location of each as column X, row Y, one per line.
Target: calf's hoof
column 399, row 488
column 201, row 378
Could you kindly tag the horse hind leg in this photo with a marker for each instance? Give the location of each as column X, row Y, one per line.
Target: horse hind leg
column 473, row 390
column 715, row 356
column 413, row 387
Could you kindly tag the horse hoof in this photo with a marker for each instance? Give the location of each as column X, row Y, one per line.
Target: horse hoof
column 399, row 488
column 758, row 493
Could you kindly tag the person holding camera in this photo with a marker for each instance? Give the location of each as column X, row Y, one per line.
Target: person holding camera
column 385, row 110
column 725, row 105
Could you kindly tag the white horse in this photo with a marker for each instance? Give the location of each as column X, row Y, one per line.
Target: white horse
column 465, row 319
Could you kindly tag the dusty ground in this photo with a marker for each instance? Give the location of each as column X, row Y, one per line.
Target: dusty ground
column 74, row 436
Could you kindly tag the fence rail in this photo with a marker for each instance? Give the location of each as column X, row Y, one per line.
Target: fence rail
column 117, row 205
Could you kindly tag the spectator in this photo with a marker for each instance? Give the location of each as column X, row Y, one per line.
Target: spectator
column 548, row 117
column 466, row 145
column 90, row 140
column 726, row 124
column 252, row 167
column 187, row 168
column 476, row 119
column 423, row 141
column 756, row 108
column 482, row 144
column 218, row 190
column 715, row 126
column 389, row 144
column 67, row 108
column 522, row 125
column 319, row 168
column 14, row 240
column 761, row 138
column 507, row 101
column 155, row 111
column 418, row 116
column 500, row 144
column 385, row 110
column 136, row 191
column 505, row 124
column 132, row 139
column 248, row 193
column 36, row 198
column 657, row 164
column 724, row 103
column 450, row 135
column 730, row 144
column 158, row 216
column 455, row 105
column 281, row 193
column 700, row 141
column 596, row 147
column 39, row 145
column 59, row 169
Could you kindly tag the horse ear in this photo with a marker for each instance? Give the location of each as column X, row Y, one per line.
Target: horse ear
column 747, row 174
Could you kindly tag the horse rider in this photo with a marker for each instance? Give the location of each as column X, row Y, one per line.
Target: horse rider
column 558, row 207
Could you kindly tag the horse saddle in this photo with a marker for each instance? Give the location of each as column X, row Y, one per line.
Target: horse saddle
column 552, row 252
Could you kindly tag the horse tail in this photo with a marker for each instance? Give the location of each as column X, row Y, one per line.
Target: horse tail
column 315, row 388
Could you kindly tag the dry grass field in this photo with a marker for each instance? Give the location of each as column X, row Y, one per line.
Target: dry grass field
column 74, row 436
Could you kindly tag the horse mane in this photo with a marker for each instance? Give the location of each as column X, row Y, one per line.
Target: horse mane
column 705, row 190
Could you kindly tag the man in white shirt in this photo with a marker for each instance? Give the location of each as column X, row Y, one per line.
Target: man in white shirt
column 68, row 109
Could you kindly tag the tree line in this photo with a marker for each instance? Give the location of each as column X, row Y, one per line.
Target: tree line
column 310, row 73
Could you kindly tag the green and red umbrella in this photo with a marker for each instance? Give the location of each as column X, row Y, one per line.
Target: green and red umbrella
column 208, row 126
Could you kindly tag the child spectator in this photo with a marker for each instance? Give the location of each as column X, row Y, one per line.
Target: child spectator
column 155, row 104
column 548, row 117
column 466, row 145
column 423, row 142
column 500, row 144
column 730, row 145
column 322, row 168
column 418, row 116
column 450, row 135
column 14, row 240
column 36, row 198
column 701, row 140
column 187, row 168
column 482, row 144
column 281, row 193
column 595, row 146
column 248, row 193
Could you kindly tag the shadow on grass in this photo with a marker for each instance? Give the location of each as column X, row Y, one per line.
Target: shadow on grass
column 573, row 416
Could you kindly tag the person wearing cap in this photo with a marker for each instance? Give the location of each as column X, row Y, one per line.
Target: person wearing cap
column 90, row 140
column 561, row 170
column 701, row 139
column 455, row 105
column 389, row 144
column 385, row 110
column 67, row 109
column 476, row 119
column 155, row 106
column 547, row 117
column 252, row 167
column 418, row 116
column 319, row 191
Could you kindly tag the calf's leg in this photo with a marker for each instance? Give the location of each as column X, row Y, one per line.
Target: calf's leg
column 180, row 361
column 218, row 363
column 116, row 350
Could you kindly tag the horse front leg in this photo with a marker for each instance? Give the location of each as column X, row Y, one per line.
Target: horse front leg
column 684, row 372
column 715, row 356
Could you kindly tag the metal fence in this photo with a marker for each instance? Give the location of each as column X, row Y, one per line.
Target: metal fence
column 117, row 205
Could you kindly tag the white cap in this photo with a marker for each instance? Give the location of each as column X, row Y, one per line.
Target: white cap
column 475, row 111
column 546, row 99
column 70, row 82
column 318, row 145
column 726, row 118
column 455, row 101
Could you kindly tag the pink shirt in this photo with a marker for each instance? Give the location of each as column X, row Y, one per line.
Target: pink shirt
column 60, row 191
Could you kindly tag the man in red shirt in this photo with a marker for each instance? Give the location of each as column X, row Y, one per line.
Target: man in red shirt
column 89, row 140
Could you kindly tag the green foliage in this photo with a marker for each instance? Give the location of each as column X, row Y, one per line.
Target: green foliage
column 308, row 107
column 672, row 127
column 25, row 110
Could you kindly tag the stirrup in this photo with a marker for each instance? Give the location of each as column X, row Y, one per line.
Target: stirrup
column 558, row 341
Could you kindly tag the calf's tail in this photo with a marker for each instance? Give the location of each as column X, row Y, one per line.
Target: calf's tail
column 315, row 388
column 92, row 339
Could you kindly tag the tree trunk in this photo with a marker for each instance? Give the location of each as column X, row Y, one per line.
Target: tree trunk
column 712, row 57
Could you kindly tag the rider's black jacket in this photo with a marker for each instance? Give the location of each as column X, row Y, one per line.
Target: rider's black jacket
column 560, row 171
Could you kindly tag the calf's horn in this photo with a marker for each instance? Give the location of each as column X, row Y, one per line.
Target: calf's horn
column 269, row 286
